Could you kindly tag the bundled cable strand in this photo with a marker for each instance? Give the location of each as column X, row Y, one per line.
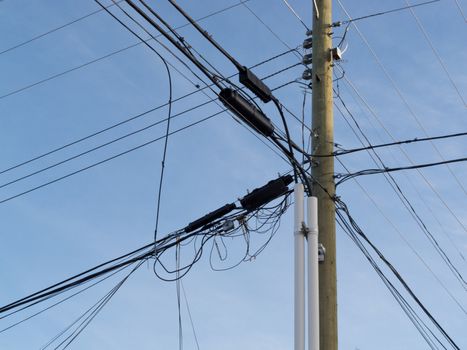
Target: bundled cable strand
column 262, row 218
column 352, row 228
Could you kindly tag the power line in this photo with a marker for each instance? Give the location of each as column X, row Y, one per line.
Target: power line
column 384, row 12
column 137, row 116
column 291, row 9
column 414, row 140
column 35, row 188
column 399, row 92
column 408, row 205
column 93, row 149
column 182, row 46
column 425, row 179
column 53, row 30
column 345, row 177
column 437, row 55
column 39, row 82
column 459, row 7
column 397, row 159
column 341, row 207
column 403, row 237
column 269, row 28
column 159, row 192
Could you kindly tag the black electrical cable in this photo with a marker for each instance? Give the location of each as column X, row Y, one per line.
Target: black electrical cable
column 345, row 177
column 403, row 303
column 32, row 189
column 56, row 303
column 166, row 139
column 287, row 133
column 174, row 42
column 95, row 272
column 405, row 201
column 97, row 309
column 153, row 250
column 137, row 116
column 342, row 207
column 414, row 140
column 205, row 34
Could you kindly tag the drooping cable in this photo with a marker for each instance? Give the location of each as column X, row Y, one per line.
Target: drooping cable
column 169, row 102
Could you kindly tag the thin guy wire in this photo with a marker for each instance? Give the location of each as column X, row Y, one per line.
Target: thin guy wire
column 459, row 7
column 436, row 53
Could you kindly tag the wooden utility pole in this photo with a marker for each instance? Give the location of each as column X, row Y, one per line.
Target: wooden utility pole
column 323, row 171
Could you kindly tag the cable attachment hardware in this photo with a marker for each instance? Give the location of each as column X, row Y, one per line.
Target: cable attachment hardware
column 308, row 43
column 307, row 74
column 321, row 252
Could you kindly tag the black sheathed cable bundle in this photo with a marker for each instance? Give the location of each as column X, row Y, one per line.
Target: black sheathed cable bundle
column 266, row 193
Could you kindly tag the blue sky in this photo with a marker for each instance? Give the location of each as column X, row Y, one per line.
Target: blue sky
column 66, row 227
